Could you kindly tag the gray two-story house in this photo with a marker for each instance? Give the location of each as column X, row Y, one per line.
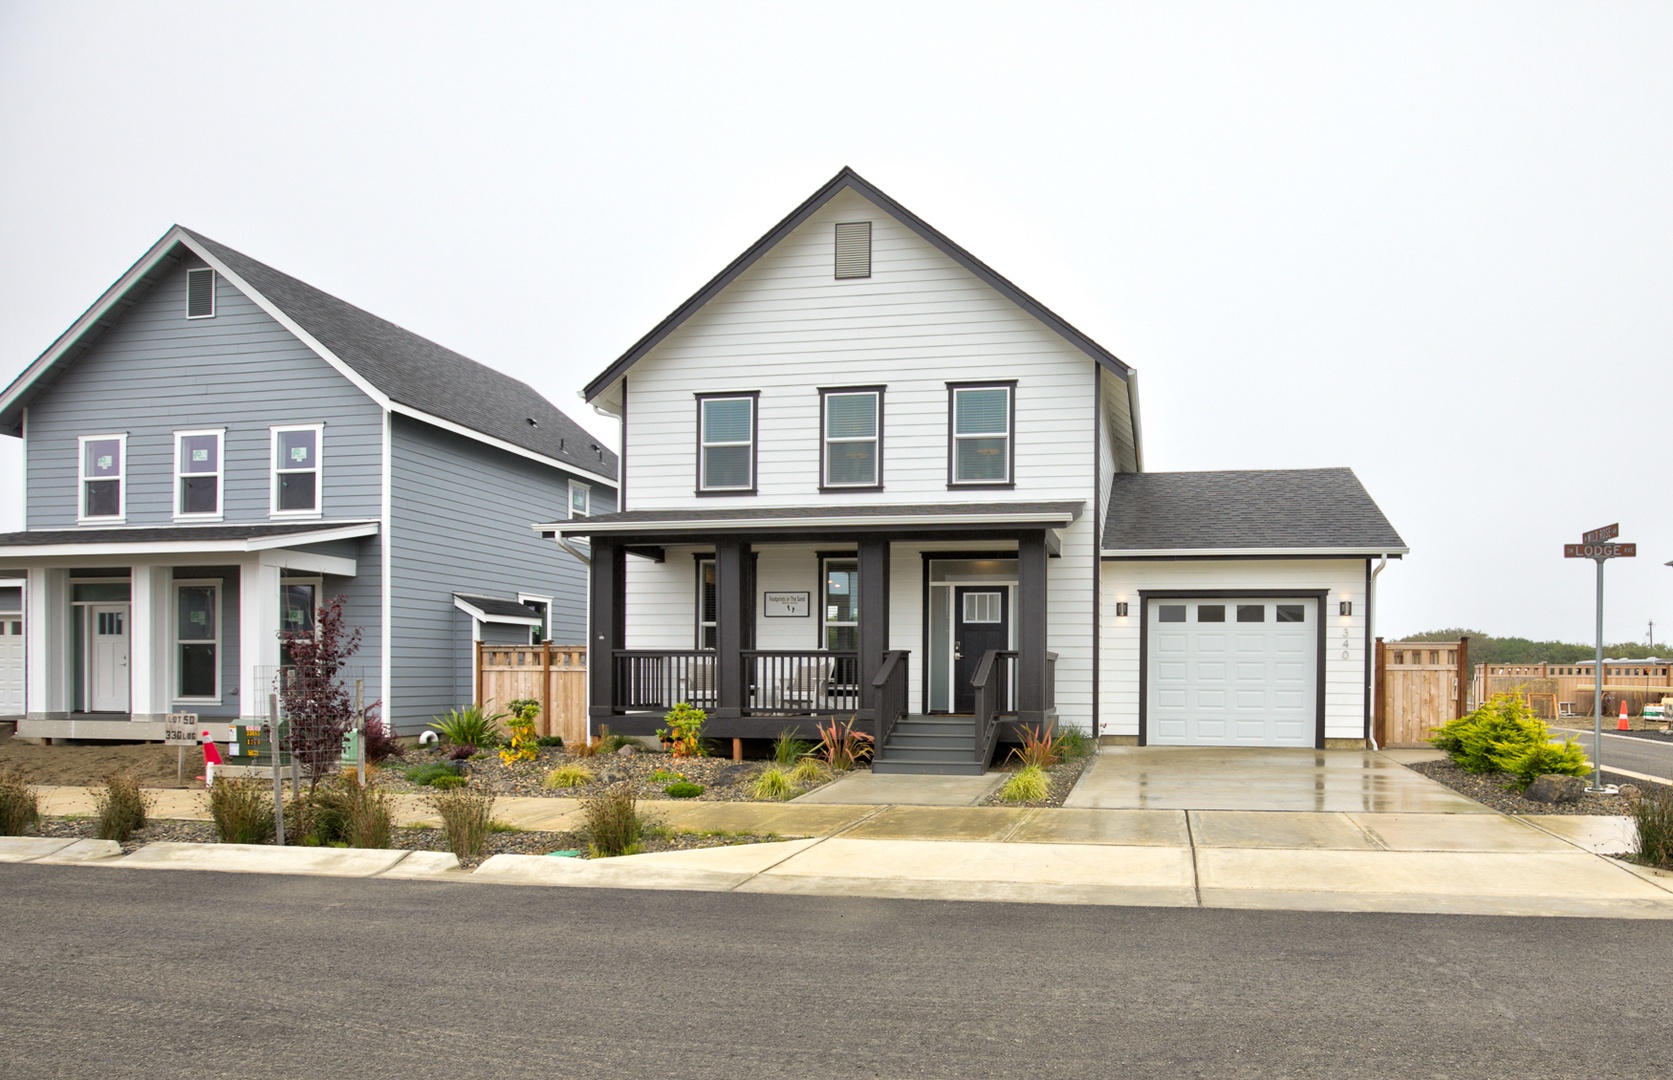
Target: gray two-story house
column 215, row 449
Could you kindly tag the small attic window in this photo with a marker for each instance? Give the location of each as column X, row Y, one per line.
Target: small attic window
column 853, row 249
column 200, row 293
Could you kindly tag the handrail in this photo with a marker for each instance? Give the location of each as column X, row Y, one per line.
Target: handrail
column 889, row 692
column 990, row 699
column 777, row 682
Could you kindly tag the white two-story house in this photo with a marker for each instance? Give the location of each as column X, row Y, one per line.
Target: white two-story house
column 863, row 475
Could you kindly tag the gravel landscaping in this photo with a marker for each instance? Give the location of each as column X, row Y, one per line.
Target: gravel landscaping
column 1491, row 791
column 1062, row 776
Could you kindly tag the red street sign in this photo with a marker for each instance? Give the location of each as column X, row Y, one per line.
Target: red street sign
column 1600, row 551
column 1598, row 536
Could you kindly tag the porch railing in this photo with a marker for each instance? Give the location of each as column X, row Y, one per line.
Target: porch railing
column 993, row 682
column 776, row 682
column 889, row 688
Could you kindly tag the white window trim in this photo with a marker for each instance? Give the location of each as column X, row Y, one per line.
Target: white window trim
column 1010, row 391
column 175, row 642
column 273, row 434
column 876, row 438
column 531, row 598
column 319, row 597
column 220, row 474
column 82, row 478
column 703, row 444
column 214, row 290
column 586, row 499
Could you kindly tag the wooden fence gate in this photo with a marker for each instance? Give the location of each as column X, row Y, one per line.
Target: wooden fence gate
column 1420, row 686
column 554, row 675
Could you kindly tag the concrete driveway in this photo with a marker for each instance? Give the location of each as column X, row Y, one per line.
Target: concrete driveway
column 1215, row 778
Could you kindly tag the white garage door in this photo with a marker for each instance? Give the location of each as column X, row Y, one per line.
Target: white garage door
column 1232, row 672
column 11, row 665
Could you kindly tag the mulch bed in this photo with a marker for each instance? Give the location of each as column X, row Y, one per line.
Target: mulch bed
column 1062, row 775
column 1491, row 791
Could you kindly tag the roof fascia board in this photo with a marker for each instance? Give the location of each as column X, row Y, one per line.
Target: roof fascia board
column 188, row 547
column 1133, row 414
column 1056, row 520
column 567, row 467
column 1253, row 553
column 482, row 616
column 345, row 532
column 844, row 180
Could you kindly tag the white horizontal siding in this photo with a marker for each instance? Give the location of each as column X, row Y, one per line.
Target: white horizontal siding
column 1344, row 675
column 786, row 327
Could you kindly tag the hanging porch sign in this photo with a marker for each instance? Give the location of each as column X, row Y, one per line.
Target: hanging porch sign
column 786, row 605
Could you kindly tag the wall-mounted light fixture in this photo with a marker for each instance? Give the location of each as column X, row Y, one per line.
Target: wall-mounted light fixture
column 1121, row 609
column 1346, row 607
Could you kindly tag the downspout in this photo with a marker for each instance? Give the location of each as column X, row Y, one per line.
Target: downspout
column 1370, row 638
column 585, row 555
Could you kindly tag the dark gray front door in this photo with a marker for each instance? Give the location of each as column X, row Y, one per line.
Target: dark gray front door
column 981, row 621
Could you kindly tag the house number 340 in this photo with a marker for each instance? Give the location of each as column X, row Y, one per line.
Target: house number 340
column 1345, row 641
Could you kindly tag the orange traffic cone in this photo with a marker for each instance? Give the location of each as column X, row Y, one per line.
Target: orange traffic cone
column 1623, row 725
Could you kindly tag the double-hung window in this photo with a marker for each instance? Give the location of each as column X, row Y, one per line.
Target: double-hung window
column 980, row 421
column 840, row 613
column 197, row 473
column 726, row 443
column 851, row 431
column 197, row 637
column 103, row 487
column 707, row 602
column 296, row 470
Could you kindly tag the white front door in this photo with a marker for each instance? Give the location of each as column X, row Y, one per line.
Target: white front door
column 1232, row 671
column 108, row 677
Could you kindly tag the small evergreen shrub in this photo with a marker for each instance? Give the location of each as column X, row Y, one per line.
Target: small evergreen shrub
column 1494, row 737
column 1565, row 759
column 1027, row 784
column 465, row 816
column 773, row 783
column 525, row 740
column 449, row 781
column 242, row 808
column 121, row 807
column 568, row 776
column 426, row 774
column 613, row 824
column 684, row 730
column 683, row 789
column 20, row 805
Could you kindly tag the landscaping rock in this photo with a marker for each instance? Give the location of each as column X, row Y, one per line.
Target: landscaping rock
column 1552, row 788
column 628, row 750
column 734, row 774
column 1631, row 792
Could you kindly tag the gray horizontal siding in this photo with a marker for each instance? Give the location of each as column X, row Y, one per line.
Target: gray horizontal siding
column 460, row 522
column 363, row 607
column 156, row 372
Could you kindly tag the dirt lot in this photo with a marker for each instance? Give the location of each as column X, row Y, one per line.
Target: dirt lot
column 86, row 765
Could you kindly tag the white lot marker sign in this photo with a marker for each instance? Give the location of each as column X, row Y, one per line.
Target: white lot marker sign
column 1595, row 545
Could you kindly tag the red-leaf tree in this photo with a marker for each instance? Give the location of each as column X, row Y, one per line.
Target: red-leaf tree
column 315, row 701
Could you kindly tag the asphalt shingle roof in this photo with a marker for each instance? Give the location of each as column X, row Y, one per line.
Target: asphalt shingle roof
column 417, row 372
column 495, row 605
column 1251, row 509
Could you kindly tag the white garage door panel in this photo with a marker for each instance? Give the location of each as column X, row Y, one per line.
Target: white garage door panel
column 1218, row 679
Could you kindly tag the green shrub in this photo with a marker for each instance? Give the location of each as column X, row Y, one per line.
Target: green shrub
column 1027, row 784
column 683, row 789
column 1652, row 823
column 121, row 807
column 242, row 807
column 788, row 749
column 773, row 783
column 684, row 731
column 613, row 825
column 448, row 781
column 469, row 726
column 1565, row 759
column 841, row 747
column 1074, row 743
column 1494, row 735
column 20, row 806
column 568, row 776
column 340, row 813
column 809, row 771
column 426, row 774
column 549, row 740
column 666, row 776
column 465, row 816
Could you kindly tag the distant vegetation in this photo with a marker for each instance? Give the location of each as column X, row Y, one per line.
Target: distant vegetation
column 1487, row 649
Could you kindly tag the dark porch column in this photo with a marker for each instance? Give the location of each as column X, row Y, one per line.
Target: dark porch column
column 874, row 615
column 731, row 604
column 607, row 623
column 1031, row 627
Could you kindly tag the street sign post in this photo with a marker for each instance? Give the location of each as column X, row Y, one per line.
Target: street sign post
column 1594, row 546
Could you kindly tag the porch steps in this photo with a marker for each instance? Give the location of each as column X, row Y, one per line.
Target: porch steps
column 945, row 745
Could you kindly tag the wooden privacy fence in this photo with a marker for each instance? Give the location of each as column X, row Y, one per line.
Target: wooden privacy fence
column 1420, row 685
column 1569, row 689
column 554, row 675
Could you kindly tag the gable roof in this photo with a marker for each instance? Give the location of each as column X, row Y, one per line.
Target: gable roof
column 847, row 180
column 392, row 365
column 1264, row 511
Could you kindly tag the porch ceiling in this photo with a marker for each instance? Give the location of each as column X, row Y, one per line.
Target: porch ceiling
column 925, row 521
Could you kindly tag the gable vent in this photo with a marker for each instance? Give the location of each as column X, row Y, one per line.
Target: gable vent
column 853, row 249
column 200, row 294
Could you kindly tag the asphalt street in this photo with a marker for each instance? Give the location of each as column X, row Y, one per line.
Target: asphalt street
column 1652, row 758
column 115, row 973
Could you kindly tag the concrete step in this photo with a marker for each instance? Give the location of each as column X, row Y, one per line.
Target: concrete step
column 938, row 767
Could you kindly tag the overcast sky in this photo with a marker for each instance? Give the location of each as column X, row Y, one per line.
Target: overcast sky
column 1432, row 242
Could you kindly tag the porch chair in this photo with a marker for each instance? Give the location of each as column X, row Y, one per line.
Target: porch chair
column 700, row 682
column 807, row 684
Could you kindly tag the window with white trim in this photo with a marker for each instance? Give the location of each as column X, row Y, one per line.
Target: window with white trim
column 541, row 608
column 579, row 494
column 708, row 602
column 852, row 425
column 726, row 438
column 981, row 435
column 197, row 641
column 200, row 293
column 296, row 469
column 197, row 473
column 103, row 480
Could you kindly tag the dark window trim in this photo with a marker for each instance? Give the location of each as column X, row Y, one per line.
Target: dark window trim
column 1147, row 595
column 824, row 481
column 1010, row 436
column 754, row 442
column 698, row 558
column 832, row 556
